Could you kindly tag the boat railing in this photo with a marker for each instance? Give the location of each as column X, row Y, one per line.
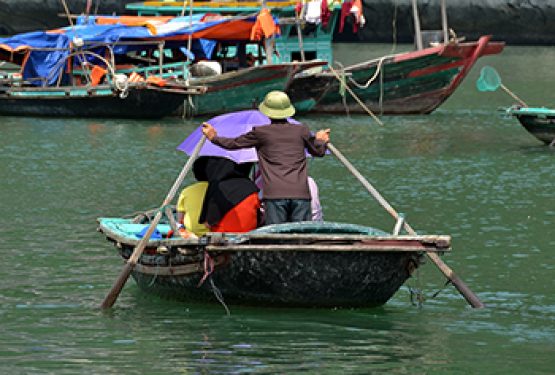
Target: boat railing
column 174, row 70
column 216, row 4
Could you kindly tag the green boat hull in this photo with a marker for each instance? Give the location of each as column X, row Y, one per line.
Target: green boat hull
column 540, row 122
column 242, row 89
column 410, row 83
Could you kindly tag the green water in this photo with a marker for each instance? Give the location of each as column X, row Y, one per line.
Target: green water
column 464, row 171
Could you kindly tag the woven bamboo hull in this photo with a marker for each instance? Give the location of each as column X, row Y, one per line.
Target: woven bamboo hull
column 308, row 264
column 310, row 279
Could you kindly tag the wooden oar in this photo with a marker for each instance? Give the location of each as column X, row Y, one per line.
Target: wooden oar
column 111, row 297
column 472, row 299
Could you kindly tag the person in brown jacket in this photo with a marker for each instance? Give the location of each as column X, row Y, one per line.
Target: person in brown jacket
column 281, row 156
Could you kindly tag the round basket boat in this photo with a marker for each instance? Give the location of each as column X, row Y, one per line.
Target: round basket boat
column 309, row 264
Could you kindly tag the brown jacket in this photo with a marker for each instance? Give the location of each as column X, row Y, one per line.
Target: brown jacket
column 281, row 157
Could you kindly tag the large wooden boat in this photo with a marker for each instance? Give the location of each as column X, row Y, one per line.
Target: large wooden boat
column 136, row 101
column 407, row 83
column 241, row 89
column 296, row 264
column 540, row 122
column 147, row 70
column 415, row 82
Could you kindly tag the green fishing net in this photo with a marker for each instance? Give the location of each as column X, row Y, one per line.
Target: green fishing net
column 489, row 80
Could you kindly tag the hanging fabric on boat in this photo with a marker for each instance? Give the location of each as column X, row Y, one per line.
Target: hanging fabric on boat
column 264, row 26
column 314, row 12
column 326, row 14
column 352, row 8
column 356, row 10
column 97, row 73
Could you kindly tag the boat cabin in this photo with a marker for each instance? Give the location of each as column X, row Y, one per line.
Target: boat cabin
column 301, row 39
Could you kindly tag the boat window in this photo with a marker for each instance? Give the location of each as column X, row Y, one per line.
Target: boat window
column 308, row 55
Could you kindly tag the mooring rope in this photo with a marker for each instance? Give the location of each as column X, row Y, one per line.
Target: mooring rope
column 151, row 283
column 219, row 296
column 447, row 282
column 357, row 99
column 376, row 73
column 208, row 268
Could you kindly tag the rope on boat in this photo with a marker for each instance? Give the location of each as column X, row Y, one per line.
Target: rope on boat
column 219, row 296
column 208, row 268
column 447, row 282
column 373, row 78
column 151, row 283
column 416, row 297
column 342, row 86
column 188, row 107
column 378, row 72
column 120, row 80
column 360, row 102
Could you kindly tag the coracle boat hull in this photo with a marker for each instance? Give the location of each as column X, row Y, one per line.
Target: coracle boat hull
column 292, row 279
column 305, row 264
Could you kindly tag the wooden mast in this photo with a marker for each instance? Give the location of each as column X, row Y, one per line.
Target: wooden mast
column 444, row 22
column 417, row 31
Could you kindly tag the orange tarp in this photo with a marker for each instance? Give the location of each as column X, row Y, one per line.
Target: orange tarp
column 132, row 20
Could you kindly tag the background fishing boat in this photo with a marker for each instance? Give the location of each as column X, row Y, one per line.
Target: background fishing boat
column 109, row 69
column 109, row 66
column 242, row 88
column 406, row 83
column 540, row 122
column 137, row 101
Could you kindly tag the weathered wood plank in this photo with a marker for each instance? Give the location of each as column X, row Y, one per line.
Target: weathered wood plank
column 393, row 247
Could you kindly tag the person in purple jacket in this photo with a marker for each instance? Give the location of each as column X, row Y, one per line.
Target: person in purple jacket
column 280, row 147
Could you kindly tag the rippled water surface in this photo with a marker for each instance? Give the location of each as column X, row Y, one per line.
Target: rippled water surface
column 465, row 170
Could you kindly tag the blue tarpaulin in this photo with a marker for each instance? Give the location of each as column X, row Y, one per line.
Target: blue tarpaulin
column 49, row 50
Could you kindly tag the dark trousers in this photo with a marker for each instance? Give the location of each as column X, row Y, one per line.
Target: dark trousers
column 277, row 211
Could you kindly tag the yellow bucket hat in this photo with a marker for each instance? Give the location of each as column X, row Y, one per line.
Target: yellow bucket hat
column 276, row 105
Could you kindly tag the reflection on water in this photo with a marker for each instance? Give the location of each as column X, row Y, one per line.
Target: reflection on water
column 464, row 171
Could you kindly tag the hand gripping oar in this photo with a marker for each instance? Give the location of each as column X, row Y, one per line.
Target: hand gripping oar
column 111, row 297
column 472, row 299
column 489, row 80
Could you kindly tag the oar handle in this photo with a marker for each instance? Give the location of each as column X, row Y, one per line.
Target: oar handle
column 113, row 294
column 472, row 299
